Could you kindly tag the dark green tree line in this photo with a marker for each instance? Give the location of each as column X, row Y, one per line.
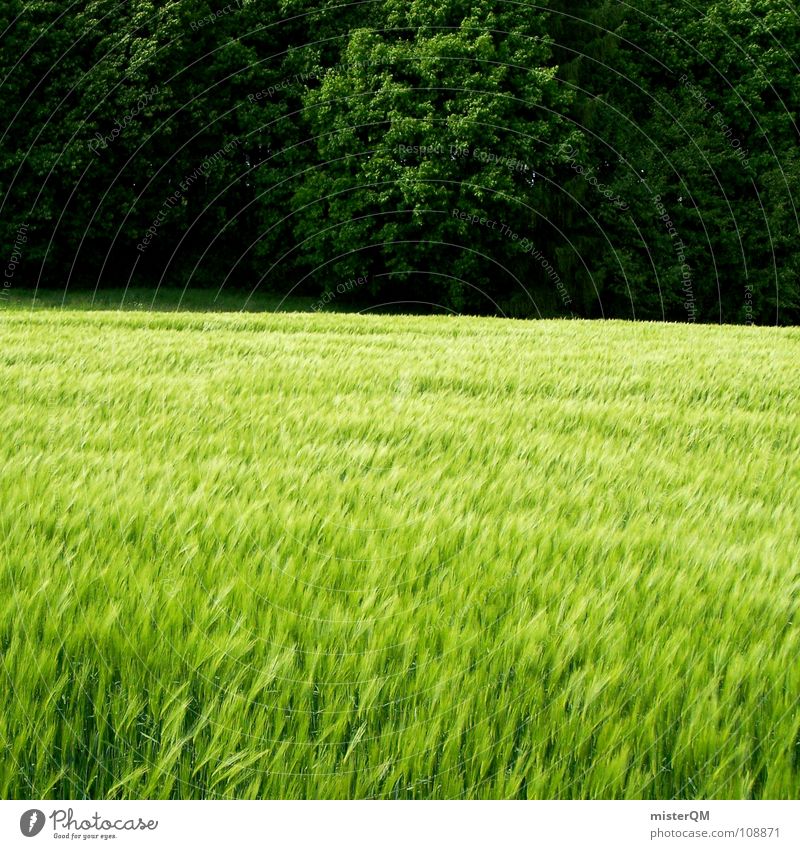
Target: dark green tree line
column 619, row 159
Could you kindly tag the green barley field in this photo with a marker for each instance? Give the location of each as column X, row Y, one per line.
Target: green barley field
column 335, row 555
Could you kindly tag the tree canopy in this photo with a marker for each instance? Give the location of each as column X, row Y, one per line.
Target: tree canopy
column 635, row 160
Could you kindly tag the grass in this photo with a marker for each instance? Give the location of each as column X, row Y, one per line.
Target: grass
column 165, row 299
column 368, row 556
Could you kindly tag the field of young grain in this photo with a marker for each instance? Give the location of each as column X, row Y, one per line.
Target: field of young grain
column 347, row 556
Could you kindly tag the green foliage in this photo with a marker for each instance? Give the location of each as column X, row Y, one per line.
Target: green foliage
column 696, row 106
column 335, row 140
column 439, row 113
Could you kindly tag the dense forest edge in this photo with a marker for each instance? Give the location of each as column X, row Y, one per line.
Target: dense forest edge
column 618, row 160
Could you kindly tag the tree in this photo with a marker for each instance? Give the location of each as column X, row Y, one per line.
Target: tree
column 430, row 138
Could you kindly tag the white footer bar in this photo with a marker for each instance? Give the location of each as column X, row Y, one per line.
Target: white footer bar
column 400, row 825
